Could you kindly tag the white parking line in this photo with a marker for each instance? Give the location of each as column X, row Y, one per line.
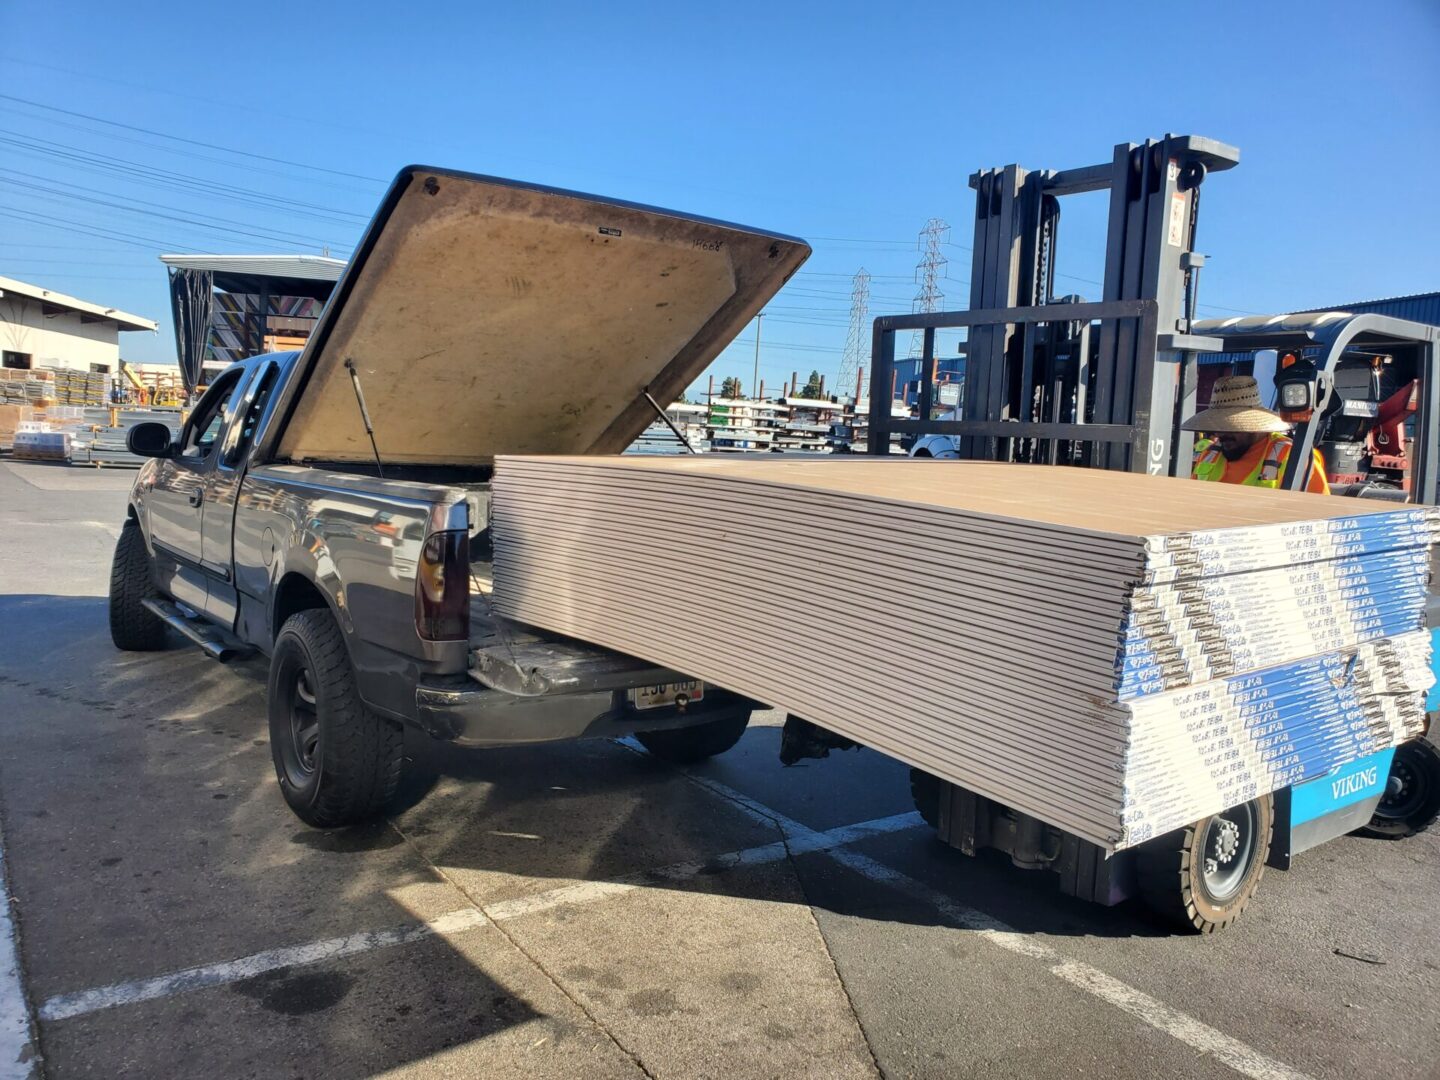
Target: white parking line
column 17, row 1047
column 1240, row 1057
column 65, row 1006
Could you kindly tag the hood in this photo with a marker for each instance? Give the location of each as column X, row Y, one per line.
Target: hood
column 487, row 317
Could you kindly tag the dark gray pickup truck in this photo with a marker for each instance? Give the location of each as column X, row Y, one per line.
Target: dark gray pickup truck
column 350, row 545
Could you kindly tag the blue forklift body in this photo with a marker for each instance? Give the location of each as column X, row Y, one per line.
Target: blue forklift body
column 1318, row 810
column 1321, row 809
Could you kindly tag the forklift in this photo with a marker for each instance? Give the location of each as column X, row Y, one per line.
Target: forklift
column 1107, row 385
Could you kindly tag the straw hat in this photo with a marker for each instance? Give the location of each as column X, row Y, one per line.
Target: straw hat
column 1235, row 407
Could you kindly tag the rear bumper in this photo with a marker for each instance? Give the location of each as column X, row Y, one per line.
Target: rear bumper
column 468, row 714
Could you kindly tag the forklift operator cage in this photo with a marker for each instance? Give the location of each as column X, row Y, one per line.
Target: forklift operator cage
column 1334, row 333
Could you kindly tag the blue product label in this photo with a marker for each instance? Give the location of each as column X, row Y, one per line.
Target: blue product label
column 1432, row 699
column 1360, row 779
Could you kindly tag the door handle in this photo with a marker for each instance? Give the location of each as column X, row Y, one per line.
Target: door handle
column 197, row 496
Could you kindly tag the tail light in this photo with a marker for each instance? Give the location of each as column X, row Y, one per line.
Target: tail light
column 442, row 587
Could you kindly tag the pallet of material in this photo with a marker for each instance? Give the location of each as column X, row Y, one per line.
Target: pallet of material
column 12, row 417
column 1118, row 655
column 41, row 446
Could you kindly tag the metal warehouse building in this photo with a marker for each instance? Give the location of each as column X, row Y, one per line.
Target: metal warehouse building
column 42, row 328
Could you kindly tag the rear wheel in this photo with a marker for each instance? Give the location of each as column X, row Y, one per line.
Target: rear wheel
column 689, row 745
column 338, row 763
column 133, row 626
column 1201, row 877
column 1411, row 801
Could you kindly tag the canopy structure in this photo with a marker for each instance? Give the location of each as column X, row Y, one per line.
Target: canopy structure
column 259, row 296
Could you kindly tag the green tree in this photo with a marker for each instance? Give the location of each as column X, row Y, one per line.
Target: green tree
column 730, row 387
column 813, row 388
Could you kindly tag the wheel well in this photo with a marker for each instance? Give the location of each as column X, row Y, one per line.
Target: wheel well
column 295, row 593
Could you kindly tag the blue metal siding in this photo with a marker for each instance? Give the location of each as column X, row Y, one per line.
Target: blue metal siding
column 1421, row 308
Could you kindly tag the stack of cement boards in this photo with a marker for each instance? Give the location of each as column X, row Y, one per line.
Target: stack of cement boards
column 1118, row 655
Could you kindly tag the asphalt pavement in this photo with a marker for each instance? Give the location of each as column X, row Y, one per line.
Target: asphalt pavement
column 586, row 911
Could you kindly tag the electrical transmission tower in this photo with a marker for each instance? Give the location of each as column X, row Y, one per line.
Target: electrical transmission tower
column 856, row 342
column 928, row 274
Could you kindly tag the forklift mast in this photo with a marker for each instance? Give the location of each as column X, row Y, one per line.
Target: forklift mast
column 1108, row 384
column 1101, row 384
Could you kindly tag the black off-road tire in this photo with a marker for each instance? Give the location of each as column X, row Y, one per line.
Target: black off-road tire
column 925, row 793
column 133, row 627
column 1171, row 874
column 1412, row 808
column 352, row 768
column 691, row 745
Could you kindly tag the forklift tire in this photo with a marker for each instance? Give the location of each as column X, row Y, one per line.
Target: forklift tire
column 338, row 763
column 1201, row 877
column 925, row 794
column 692, row 745
column 133, row 627
column 1411, row 801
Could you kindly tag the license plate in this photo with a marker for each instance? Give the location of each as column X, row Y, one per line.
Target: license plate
column 657, row 697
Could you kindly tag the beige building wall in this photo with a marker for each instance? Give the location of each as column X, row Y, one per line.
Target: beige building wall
column 60, row 340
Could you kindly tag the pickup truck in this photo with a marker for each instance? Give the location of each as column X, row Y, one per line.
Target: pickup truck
column 329, row 508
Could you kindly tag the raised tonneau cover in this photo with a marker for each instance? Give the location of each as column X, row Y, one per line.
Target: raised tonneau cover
column 485, row 317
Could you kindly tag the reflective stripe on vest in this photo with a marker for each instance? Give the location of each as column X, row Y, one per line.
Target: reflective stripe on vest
column 1210, row 465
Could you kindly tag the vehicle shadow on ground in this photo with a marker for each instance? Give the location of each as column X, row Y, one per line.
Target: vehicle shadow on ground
column 161, row 763
column 602, row 799
column 144, row 835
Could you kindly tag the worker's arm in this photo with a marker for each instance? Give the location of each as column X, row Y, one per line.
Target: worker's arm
column 1317, row 484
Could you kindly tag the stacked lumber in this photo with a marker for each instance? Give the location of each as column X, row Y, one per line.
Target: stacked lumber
column 1115, row 654
column 23, row 386
column 73, row 387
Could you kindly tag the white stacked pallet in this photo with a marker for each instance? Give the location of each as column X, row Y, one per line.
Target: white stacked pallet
column 1115, row 654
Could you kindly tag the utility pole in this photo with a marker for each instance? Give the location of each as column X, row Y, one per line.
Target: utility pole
column 756, row 380
column 857, row 341
column 927, row 275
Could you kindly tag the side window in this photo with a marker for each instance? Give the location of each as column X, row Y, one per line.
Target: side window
column 257, row 407
column 251, row 405
column 208, row 419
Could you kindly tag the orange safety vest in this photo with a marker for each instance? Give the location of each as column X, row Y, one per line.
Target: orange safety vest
column 1210, row 463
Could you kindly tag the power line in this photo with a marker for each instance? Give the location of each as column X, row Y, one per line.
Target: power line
column 150, row 175
column 115, row 235
column 210, row 222
column 189, row 142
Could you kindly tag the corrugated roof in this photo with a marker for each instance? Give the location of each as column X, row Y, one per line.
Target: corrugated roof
column 305, row 267
column 123, row 319
column 1419, row 307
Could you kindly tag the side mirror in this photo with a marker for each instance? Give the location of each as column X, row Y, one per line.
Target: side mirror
column 150, row 439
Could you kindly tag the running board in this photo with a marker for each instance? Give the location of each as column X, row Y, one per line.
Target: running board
column 215, row 642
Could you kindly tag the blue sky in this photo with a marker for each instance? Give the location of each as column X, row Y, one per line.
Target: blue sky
column 848, row 124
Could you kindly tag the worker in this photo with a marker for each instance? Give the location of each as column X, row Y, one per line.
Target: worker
column 1248, row 444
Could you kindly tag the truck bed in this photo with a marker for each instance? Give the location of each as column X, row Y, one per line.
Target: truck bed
column 529, row 662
